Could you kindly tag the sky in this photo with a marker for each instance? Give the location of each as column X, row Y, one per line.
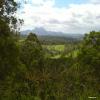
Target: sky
column 68, row 16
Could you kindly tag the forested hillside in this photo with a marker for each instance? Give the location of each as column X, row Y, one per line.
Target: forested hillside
column 33, row 70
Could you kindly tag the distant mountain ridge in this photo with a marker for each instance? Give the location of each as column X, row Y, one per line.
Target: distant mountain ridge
column 42, row 32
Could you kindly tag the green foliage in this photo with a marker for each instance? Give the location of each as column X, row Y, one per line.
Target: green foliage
column 9, row 51
column 31, row 56
column 9, row 55
column 32, row 53
column 7, row 9
column 26, row 74
column 89, row 53
column 85, row 71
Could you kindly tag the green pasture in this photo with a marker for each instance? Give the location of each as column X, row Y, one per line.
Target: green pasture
column 60, row 50
column 54, row 47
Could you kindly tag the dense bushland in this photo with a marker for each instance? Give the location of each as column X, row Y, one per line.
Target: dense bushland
column 27, row 74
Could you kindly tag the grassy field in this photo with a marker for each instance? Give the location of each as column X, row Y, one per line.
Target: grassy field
column 56, row 51
column 54, row 47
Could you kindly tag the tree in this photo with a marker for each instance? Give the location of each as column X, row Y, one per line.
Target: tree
column 8, row 48
column 9, row 51
column 32, row 56
column 88, row 63
column 89, row 53
column 32, row 53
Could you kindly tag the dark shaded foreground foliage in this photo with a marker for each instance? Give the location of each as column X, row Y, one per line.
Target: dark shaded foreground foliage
column 34, row 77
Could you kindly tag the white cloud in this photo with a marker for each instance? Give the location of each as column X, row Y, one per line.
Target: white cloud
column 73, row 19
column 95, row 1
